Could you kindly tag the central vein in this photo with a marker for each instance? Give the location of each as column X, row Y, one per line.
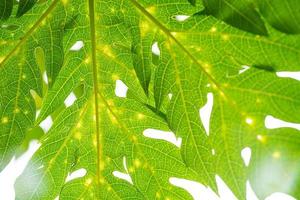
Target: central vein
column 95, row 81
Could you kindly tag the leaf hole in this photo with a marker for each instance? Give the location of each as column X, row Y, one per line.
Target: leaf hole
column 244, row 69
column 223, row 190
column 273, row 123
column 181, row 18
column 155, row 49
column 280, row 195
column 77, row 46
column 70, row 99
column 122, row 175
column 246, row 155
column 293, row 75
column 205, row 112
column 195, row 189
column 14, row 169
column 163, row 135
column 121, row 89
column 76, row 174
column 46, row 124
column 250, row 194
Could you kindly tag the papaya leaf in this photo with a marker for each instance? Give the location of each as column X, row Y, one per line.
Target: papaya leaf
column 241, row 14
column 283, row 15
column 114, row 92
column 6, row 7
column 24, row 6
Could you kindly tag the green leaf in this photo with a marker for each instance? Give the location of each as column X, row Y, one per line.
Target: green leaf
column 142, row 58
column 88, row 49
column 24, row 6
column 241, row 14
column 6, row 7
column 283, row 15
column 193, row 2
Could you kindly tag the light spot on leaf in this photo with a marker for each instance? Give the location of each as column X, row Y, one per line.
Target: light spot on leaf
column 213, row 29
column 17, row 110
column 258, row 100
column 1, row 58
column 137, row 163
column 157, row 195
column 249, row 120
column 276, row 154
column 77, row 135
column 112, row 10
column 106, row 49
column 213, row 152
column 88, row 182
column 4, row 120
column 261, row 138
column 94, row 140
column 65, row 2
column 87, row 60
column 37, row 113
column 151, row 9
column 225, row 37
column 134, row 139
column 140, row 116
column 145, row 27
column 115, row 77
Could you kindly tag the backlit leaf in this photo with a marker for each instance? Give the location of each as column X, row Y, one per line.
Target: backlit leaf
column 115, row 93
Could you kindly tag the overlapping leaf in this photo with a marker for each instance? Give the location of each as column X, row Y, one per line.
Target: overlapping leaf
column 103, row 133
